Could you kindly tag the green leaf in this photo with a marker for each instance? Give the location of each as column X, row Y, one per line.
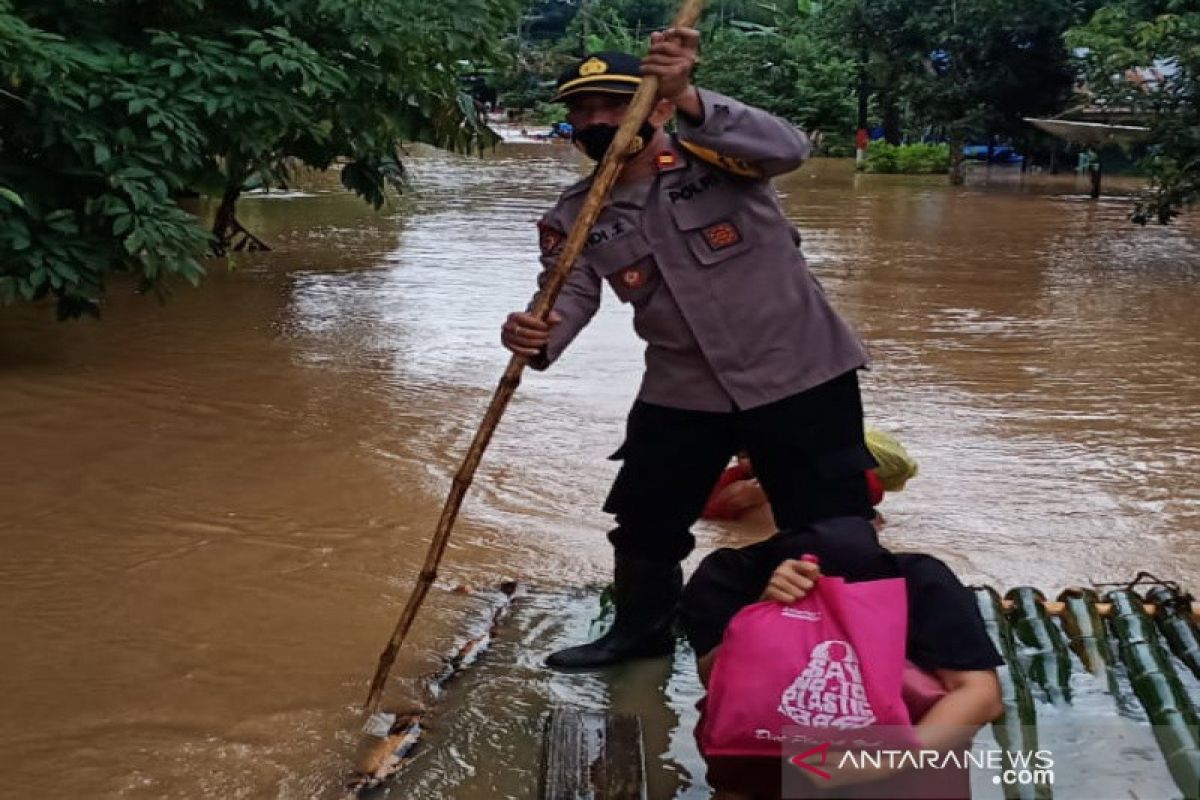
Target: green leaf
column 12, row 197
column 65, row 271
column 134, row 242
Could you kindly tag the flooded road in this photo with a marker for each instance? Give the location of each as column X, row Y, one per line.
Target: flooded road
column 213, row 509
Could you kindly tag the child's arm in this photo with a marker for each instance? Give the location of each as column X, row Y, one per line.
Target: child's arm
column 791, row 580
column 972, row 700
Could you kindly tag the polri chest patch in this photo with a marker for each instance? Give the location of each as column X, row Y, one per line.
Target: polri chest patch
column 722, row 235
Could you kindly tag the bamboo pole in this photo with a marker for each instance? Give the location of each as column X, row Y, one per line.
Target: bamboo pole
column 606, row 175
column 1156, row 683
column 1176, row 627
column 1044, row 654
column 1086, row 633
column 1016, row 729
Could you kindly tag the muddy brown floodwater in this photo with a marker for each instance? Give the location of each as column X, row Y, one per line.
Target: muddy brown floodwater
column 213, row 508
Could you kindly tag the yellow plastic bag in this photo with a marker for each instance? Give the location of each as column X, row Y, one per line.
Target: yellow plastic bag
column 896, row 466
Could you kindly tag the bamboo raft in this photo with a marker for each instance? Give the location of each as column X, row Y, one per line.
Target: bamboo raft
column 1111, row 633
column 1115, row 634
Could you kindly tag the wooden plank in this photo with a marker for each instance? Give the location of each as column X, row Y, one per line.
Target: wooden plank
column 569, row 748
column 625, row 757
column 592, row 755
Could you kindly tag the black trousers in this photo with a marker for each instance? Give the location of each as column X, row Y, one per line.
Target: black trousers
column 808, row 452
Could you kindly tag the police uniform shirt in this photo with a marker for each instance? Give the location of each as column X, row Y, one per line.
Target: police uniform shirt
column 721, row 294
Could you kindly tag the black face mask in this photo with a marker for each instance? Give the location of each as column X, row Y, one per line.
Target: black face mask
column 595, row 139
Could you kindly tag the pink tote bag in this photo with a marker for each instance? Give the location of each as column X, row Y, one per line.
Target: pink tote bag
column 832, row 662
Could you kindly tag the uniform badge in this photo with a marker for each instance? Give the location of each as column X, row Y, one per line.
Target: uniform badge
column 666, row 159
column 593, row 66
column 633, row 277
column 722, row 235
column 550, row 239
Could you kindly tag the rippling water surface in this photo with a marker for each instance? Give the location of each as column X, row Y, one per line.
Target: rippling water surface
column 213, row 508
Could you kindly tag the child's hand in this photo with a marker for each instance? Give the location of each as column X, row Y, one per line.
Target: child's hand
column 792, row 580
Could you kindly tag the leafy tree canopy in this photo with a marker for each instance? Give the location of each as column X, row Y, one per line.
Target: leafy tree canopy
column 111, row 111
column 1143, row 58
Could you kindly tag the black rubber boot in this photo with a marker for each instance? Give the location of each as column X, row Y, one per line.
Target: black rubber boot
column 646, row 595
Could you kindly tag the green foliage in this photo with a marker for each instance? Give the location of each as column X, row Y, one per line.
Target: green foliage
column 601, row 26
column 110, row 112
column 967, row 68
column 1143, row 56
column 82, row 161
column 908, row 159
column 790, row 70
column 772, row 54
column 1003, row 60
column 607, row 613
column 547, row 113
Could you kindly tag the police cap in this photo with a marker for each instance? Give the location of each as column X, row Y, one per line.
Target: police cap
column 608, row 72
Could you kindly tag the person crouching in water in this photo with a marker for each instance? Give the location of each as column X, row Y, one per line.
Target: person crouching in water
column 738, row 494
column 946, row 635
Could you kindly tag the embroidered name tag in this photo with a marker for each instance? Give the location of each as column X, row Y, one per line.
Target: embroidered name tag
column 722, row 235
column 604, row 233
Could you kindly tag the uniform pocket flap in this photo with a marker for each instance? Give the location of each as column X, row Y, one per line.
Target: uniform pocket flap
column 722, row 235
column 609, row 257
column 692, row 214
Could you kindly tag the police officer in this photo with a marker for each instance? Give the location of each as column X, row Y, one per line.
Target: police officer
column 742, row 347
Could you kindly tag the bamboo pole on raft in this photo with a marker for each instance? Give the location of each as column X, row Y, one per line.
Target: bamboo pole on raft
column 606, row 175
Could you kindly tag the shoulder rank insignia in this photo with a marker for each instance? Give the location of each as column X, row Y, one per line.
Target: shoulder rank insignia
column 666, row 159
column 737, row 166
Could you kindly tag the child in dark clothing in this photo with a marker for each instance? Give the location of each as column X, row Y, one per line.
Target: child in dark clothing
column 946, row 635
